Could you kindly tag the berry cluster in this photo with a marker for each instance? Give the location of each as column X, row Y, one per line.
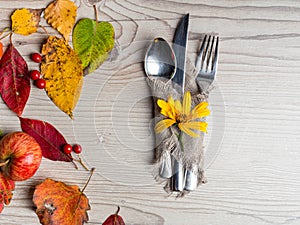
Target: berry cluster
column 67, row 148
column 35, row 75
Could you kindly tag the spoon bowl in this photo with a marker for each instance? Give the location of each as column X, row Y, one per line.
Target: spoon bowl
column 160, row 60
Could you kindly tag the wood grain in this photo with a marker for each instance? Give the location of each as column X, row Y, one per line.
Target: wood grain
column 253, row 175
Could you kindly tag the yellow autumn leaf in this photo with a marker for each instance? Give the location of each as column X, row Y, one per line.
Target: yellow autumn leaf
column 25, row 21
column 61, row 15
column 63, row 72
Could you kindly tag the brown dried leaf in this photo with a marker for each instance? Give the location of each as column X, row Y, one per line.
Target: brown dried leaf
column 60, row 204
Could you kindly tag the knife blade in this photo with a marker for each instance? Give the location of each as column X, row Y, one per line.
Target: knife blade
column 180, row 49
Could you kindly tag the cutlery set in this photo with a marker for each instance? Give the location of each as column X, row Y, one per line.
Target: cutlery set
column 169, row 64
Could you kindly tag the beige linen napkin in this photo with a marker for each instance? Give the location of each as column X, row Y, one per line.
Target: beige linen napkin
column 167, row 142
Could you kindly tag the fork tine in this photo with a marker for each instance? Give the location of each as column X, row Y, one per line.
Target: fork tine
column 209, row 50
column 200, row 54
column 206, row 53
column 215, row 59
column 207, row 63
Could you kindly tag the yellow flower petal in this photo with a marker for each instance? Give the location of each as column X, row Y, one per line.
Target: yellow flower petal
column 186, row 104
column 163, row 104
column 166, row 109
column 164, row 112
column 172, row 107
column 163, row 124
column 197, row 125
column 201, row 105
column 185, row 129
column 201, row 114
column 201, row 110
column 203, row 126
column 171, row 100
column 178, row 106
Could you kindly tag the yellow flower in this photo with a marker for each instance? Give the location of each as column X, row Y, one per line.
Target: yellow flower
column 182, row 116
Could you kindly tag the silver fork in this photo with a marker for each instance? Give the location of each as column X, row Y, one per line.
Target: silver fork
column 207, row 62
column 206, row 65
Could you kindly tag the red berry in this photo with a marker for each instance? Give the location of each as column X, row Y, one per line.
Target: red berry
column 67, row 148
column 35, row 75
column 36, row 57
column 40, row 83
column 77, row 149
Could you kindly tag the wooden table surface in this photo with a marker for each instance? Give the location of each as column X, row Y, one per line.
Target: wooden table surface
column 252, row 165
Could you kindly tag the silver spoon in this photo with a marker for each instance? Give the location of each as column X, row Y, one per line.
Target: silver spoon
column 160, row 63
column 160, row 60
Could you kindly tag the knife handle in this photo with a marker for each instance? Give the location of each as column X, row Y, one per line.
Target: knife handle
column 177, row 180
column 190, row 180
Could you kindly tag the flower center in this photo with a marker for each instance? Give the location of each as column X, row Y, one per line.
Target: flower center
column 183, row 118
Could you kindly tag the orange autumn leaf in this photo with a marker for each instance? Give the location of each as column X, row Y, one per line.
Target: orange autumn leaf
column 60, row 204
column 1, row 50
column 6, row 188
column 61, row 15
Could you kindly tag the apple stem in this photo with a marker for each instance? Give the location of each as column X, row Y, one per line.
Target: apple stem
column 4, row 163
column 88, row 181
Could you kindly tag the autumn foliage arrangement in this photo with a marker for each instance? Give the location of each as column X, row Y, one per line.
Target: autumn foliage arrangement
column 60, row 63
column 21, row 152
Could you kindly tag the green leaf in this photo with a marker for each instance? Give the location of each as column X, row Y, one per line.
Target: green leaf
column 93, row 41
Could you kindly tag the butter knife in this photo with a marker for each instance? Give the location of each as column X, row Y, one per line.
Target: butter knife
column 180, row 49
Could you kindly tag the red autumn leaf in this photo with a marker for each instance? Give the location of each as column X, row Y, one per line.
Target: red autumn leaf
column 49, row 138
column 6, row 188
column 114, row 219
column 14, row 80
column 60, row 204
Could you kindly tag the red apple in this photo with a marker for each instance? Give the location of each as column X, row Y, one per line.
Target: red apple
column 20, row 156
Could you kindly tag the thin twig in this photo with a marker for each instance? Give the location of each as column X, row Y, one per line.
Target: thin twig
column 81, row 163
column 76, row 167
column 86, row 184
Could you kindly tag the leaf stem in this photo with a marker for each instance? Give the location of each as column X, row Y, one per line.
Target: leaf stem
column 96, row 13
column 44, row 29
column 10, row 37
column 88, row 181
column 118, row 210
column 4, row 30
